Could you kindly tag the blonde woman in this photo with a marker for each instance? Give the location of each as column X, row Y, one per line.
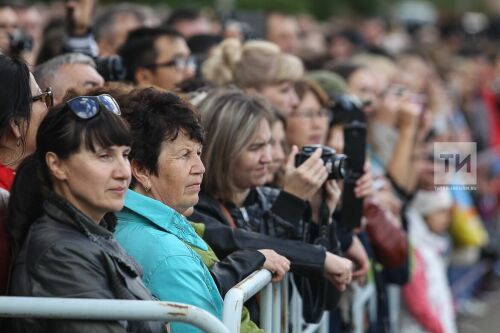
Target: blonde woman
column 257, row 67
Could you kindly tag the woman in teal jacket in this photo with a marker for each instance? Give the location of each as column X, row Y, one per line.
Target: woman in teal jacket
column 162, row 241
column 167, row 171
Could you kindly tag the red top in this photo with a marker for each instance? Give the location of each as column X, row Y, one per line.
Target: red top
column 490, row 100
column 6, row 177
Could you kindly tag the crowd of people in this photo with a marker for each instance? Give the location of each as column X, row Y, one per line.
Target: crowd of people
column 152, row 154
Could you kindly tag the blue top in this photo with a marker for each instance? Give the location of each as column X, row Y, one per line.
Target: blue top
column 159, row 239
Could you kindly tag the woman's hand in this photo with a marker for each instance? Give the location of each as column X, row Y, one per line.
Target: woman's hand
column 338, row 270
column 305, row 180
column 364, row 185
column 332, row 194
column 276, row 264
column 357, row 254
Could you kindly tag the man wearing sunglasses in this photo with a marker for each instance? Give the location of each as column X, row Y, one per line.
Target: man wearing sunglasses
column 157, row 57
column 69, row 70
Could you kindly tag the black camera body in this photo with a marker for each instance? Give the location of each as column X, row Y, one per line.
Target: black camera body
column 348, row 111
column 111, row 68
column 355, row 148
column 337, row 165
column 20, row 42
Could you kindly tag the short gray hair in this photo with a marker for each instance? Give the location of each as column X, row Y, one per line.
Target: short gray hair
column 45, row 73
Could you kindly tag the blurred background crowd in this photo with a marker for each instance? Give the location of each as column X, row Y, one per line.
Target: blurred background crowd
column 410, row 73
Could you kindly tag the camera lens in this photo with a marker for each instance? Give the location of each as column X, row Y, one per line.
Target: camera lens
column 340, row 167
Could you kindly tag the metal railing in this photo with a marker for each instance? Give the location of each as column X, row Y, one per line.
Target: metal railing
column 363, row 298
column 278, row 310
column 274, row 303
column 239, row 294
column 105, row 309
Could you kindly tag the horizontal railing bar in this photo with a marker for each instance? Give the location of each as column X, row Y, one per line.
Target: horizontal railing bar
column 105, row 309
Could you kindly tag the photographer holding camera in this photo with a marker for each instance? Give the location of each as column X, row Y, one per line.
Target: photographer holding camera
column 13, row 41
column 308, row 125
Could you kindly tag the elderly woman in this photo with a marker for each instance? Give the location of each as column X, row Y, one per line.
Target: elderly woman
column 167, row 173
column 23, row 107
column 61, row 216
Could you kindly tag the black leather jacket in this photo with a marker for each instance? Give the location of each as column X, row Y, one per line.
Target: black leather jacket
column 225, row 240
column 66, row 254
column 268, row 211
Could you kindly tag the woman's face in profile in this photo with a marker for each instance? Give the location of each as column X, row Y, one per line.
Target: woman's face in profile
column 94, row 182
column 251, row 167
column 282, row 96
column 180, row 172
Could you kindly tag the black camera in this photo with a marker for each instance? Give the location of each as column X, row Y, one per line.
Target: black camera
column 346, row 109
column 111, row 68
column 20, row 42
column 337, row 165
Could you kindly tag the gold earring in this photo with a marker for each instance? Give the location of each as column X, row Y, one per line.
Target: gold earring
column 147, row 188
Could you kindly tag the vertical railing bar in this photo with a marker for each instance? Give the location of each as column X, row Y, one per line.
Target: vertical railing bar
column 276, row 308
column 266, row 308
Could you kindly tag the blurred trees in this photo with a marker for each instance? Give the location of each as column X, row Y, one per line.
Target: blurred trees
column 321, row 9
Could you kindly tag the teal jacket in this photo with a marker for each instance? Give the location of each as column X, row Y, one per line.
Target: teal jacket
column 159, row 239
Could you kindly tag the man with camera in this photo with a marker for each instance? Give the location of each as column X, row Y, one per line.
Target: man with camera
column 13, row 42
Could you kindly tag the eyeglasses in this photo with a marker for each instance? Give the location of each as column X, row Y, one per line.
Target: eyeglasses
column 87, row 107
column 180, row 64
column 47, row 97
column 310, row 114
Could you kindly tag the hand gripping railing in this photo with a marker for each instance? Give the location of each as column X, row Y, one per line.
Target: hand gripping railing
column 105, row 309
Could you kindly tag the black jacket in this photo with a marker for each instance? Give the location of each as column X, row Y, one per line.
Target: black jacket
column 267, row 211
column 225, row 240
column 66, row 254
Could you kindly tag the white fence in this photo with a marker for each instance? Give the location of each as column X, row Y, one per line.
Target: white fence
column 278, row 311
column 104, row 309
column 280, row 308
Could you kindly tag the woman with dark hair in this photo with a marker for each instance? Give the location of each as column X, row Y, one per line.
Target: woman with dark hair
column 23, row 107
column 61, row 215
column 167, row 172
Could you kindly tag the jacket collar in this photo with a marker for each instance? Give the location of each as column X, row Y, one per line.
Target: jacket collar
column 63, row 211
column 163, row 217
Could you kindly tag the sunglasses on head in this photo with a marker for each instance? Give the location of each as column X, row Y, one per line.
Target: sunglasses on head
column 87, row 107
column 47, row 97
